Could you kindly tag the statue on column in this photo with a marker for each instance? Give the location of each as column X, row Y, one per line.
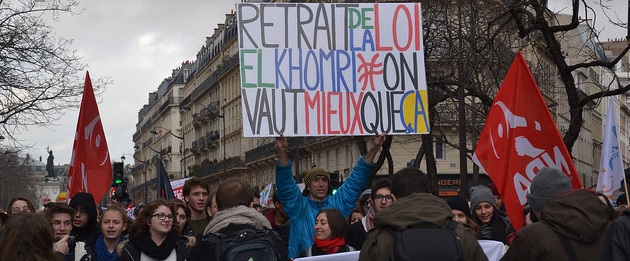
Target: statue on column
column 50, row 165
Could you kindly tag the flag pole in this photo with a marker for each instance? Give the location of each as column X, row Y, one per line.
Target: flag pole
column 625, row 184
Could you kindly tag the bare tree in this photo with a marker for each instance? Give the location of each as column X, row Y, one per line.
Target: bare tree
column 462, row 49
column 16, row 179
column 40, row 77
column 534, row 19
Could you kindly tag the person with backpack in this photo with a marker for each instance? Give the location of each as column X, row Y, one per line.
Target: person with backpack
column 330, row 227
column 237, row 231
column 418, row 225
column 302, row 207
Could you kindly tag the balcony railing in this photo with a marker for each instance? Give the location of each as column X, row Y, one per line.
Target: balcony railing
column 265, row 151
column 225, row 165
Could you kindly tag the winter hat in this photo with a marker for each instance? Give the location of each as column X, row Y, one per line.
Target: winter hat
column 493, row 188
column 314, row 172
column 459, row 203
column 546, row 184
column 480, row 194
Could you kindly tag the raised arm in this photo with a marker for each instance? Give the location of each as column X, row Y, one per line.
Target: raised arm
column 282, row 147
column 378, row 143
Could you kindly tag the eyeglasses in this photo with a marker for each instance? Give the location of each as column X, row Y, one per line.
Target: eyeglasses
column 162, row 216
column 385, row 197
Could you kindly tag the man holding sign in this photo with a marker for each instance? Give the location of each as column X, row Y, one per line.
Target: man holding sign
column 302, row 209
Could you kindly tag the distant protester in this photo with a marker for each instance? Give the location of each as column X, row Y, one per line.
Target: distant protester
column 196, row 194
column 461, row 213
column 20, row 204
column 381, row 198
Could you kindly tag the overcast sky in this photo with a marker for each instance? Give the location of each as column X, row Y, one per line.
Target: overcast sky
column 137, row 44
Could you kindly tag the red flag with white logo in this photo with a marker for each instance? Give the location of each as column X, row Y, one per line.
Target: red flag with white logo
column 519, row 138
column 90, row 169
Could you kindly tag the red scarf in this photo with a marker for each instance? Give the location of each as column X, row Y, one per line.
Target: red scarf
column 330, row 246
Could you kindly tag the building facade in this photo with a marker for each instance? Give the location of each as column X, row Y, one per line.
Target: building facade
column 193, row 123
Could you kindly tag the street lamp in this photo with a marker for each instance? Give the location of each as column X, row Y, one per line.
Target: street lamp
column 154, row 132
column 215, row 114
column 182, row 160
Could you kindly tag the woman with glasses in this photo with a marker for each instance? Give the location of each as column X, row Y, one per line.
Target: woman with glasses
column 153, row 237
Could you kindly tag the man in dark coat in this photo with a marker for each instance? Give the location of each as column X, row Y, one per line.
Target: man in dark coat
column 414, row 204
column 617, row 245
column 572, row 222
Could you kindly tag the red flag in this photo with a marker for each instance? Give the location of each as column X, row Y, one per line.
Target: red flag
column 90, row 169
column 519, row 138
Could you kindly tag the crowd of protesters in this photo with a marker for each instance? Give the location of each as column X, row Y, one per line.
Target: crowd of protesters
column 562, row 223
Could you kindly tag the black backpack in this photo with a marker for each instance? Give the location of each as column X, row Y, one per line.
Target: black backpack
column 427, row 241
column 247, row 244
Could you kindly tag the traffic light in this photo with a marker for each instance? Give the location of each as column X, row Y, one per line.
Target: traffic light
column 334, row 182
column 118, row 174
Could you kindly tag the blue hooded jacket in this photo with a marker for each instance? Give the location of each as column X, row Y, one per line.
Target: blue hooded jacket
column 302, row 209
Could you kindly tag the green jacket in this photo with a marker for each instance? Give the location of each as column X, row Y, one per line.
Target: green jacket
column 417, row 207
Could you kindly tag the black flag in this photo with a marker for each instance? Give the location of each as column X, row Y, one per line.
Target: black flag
column 164, row 189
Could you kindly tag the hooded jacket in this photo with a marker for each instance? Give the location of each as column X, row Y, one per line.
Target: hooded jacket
column 417, row 207
column 302, row 209
column 85, row 200
column 577, row 215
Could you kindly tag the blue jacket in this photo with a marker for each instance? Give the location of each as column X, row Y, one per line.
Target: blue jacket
column 302, row 209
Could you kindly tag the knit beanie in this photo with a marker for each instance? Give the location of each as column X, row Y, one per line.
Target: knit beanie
column 546, row 184
column 310, row 175
column 459, row 203
column 480, row 194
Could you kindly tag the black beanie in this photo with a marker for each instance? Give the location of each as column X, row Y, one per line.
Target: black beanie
column 459, row 203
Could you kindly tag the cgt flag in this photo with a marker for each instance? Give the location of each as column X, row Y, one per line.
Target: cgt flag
column 90, row 167
column 164, row 189
column 518, row 139
column 611, row 170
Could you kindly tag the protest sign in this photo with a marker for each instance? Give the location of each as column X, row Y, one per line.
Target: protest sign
column 332, row 69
